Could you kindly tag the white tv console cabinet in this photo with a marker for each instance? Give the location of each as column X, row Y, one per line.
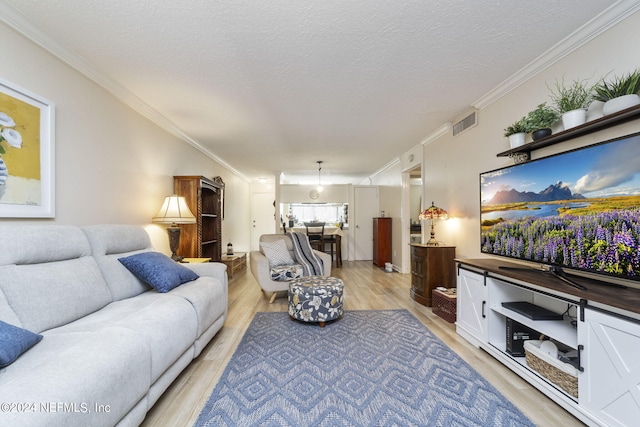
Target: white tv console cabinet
column 602, row 323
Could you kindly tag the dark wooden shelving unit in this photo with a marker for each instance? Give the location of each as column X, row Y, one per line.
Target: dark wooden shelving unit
column 204, row 197
column 589, row 127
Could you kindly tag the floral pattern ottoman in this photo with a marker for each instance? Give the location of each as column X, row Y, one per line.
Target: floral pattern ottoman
column 316, row 299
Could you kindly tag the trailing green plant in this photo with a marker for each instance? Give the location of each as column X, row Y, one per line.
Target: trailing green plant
column 517, row 127
column 541, row 117
column 627, row 84
column 575, row 96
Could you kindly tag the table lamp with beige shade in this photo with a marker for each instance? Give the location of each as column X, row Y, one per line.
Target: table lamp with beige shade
column 174, row 211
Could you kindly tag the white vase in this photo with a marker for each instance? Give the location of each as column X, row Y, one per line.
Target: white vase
column 574, row 118
column 620, row 103
column 517, row 139
column 595, row 110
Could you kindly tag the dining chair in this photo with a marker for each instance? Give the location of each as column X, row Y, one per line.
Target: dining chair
column 335, row 246
column 315, row 232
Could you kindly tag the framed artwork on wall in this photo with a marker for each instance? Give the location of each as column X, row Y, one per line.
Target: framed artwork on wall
column 27, row 155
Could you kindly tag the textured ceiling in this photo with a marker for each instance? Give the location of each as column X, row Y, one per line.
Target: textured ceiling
column 273, row 86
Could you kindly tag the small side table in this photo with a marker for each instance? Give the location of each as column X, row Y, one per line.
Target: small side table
column 235, row 263
column 196, row 260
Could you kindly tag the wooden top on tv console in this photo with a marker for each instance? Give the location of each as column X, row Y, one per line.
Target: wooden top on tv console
column 597, row 291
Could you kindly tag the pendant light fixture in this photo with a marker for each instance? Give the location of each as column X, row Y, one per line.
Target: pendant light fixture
column 319, row 169
column 315, row 193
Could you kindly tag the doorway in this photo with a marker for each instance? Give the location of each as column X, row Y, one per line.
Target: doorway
column 262, row 217
column 412, row 206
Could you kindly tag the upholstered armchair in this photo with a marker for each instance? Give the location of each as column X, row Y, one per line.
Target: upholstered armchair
column 262, row 271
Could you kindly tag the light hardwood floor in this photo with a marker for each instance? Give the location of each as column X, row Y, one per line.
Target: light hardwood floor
column 366, row 288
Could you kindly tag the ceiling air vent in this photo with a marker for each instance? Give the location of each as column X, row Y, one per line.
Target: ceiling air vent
column 468, row 122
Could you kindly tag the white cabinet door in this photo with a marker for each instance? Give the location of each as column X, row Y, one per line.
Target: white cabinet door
column 609, row 387
column 471, row 322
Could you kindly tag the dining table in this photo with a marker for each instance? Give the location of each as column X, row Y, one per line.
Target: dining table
column 329, row 230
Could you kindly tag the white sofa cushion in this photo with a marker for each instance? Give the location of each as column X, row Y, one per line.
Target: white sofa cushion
column 35, row 244
column 208, row 299
column 51, row 294
column 166, row 324
column 109, row 367
column 110, row 242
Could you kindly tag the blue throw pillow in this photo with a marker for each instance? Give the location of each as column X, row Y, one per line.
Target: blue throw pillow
column 14, row 341
column 158, row 270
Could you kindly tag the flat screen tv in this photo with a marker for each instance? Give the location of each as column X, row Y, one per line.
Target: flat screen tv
column 578, row 210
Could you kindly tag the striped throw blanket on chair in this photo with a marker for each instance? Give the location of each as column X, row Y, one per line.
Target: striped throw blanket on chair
column 311, row 264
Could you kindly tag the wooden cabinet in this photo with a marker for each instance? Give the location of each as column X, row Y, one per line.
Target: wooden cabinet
column 431, row 266
column 204, row 197
column 381, row 241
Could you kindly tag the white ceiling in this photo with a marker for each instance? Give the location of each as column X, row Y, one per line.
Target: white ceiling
column 270, row 86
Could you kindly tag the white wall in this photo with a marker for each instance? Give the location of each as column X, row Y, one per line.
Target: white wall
column 112, row 164
column 291, row 193
column 452, row 165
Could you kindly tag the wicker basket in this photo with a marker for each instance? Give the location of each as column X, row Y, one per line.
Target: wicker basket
column 443, row 304
column 561, row 374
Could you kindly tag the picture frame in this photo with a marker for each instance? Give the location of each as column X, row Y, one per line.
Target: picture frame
column 27, row 153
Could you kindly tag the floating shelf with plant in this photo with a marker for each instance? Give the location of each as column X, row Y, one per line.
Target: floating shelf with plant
column 605, row 122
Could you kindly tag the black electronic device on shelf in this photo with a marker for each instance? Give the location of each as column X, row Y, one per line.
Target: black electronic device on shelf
column 532, row 311
column 517, row 334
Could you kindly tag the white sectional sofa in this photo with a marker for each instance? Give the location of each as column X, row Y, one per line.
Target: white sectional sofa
column 111, row 344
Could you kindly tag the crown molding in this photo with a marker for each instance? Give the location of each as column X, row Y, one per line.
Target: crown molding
column 596, row 26
column 392, row 163
column 441, row 131
column 22, row 25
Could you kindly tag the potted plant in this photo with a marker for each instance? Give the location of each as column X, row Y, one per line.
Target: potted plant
column 572, row 101
column 517, row 132
column 620, row 93
column 540, row 120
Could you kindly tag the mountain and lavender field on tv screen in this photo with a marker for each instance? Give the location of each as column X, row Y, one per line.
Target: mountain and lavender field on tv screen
column 579, row 209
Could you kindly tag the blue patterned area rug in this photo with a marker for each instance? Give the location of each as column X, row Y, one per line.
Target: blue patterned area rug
column 369, row 368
